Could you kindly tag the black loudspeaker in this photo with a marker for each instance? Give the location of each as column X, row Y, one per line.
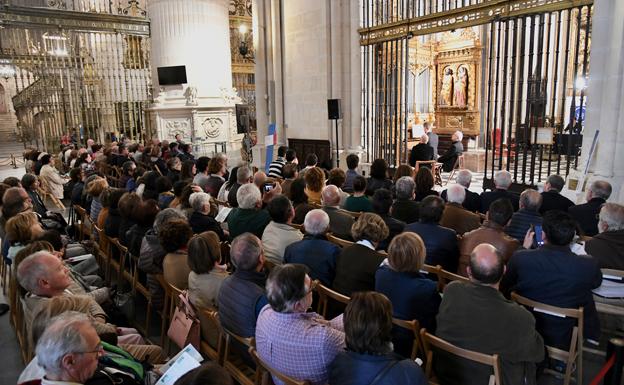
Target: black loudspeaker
column 333, row 109
column 242, row 118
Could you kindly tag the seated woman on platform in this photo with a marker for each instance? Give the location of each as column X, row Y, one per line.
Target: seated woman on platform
column 357, row 264
column 369, row 358
column 30, row 183
column 207, row 274
column 173, row 238
column 378, row 177
column 315, row 182
column 358, row 202
column 424, row 184
column 413, row 296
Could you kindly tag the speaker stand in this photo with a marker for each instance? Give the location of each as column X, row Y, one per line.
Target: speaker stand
column 337, row 153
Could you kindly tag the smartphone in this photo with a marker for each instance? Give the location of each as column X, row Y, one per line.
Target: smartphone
column 268, row 187
column 538, row 235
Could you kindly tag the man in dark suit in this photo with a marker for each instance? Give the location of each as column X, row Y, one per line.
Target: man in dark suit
column 433, row 137
column 587, row 214
column 382, row 201
column 314, row 250
column 607, row 247
column 405, row 209
column 530, row 202
column 449, row 158
column 473, row 200
column 474, row 315
column 502, row 181
column 339, row 222
column 421, row 152
column 551, row 197
column 440, row 242
column 554, row 275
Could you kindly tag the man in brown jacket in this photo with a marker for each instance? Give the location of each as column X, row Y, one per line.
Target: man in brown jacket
column 455, row 216
column 492, row 232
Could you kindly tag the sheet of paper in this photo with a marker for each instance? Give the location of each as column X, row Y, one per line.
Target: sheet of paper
column 268, row 140
column 610, row 289
column 189, row 349
column 223, row 214
column 182, row 365
column 79, row 258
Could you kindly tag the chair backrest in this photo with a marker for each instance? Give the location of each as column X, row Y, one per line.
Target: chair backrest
column 297, row 226
column 429, row 163
column 339, row 241
column 430, row 340
column 446, row 277
column 325, row 294
column 354, row 214
column 613, row 275
column 265, row 368
column 414, row 327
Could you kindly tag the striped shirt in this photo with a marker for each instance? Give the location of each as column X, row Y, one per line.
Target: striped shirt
column 275, row 168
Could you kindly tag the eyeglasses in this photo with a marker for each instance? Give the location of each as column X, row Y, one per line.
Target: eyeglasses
column 98, row 350
column 313, row 286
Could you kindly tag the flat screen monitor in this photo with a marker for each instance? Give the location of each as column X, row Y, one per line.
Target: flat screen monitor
column 169, row 76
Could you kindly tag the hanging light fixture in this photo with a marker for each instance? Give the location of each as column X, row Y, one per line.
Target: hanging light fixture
column 7, row 70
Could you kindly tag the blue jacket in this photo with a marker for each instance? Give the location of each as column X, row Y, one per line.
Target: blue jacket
column 487, row 197
column 240, row 299
column 350, row 368
column 318, row 254
column 440, row 242
column 520, row 223
column 413, row 297
column 556, row 276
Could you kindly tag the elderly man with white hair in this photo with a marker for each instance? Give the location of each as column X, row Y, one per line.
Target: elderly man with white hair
column 587, row 214
column 201, row 220
column 449, row 158
column 404, row 208
column 607, row 247
column 472, row 201
column 249, row 215
column 314, row 250
column 339, row 222
column 502, row 181
column 455, row 216
column 68, row 350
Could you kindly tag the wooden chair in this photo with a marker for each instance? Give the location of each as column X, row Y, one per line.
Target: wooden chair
column 297, row 226
column 414, row 327
column 165, row 310
column 264, row 371
column 325, row 294
column 575, row 351
column 446, row 277
column 233, row 363
column 354, row 214
column 119, row 264
column 212, row 317
column 459, row 165
column 105, row 252
column 430, row 341
column 47, row 192
column 436, row 169
column 139, row 287
column 81, row 213
column 339, row 241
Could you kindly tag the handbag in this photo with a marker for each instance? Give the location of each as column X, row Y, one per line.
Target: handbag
column 184, row 328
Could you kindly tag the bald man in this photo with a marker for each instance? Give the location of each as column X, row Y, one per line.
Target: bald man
column 476, row 316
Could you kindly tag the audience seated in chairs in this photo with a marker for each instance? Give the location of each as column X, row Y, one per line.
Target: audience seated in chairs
column 128, row 204
column 300, row 200
column 249, row 215
column 339, row 222
column 201, row 177
column 357, row 264
column 404, row 208
column 144, row 215
column 378, row 177
column 337, row 178
column 607, row 247
column 528, row 215
column 51, row 175
column 314, row 179
column 382, row 202
column 352, row 164
column 552, row 198
column 20, row 230
column 216, row 172
column 314, row 250
column 440, row 242
column 174, row 238
column 243, row 176
column 295, row 342
column 207, row 273
column 278, row 234
column 413, row 296
column 587, row 214
column 152, row 254
column 201, row 219
column 474, row 315
column 368, row 357
column 358, row 202
column 30, row 183
column 228, row 185
column 424, row 184
column 502, row 181
column 492, row 232
column 114, row 218
column 472, row 202
column 554, row 275
column 290, row 174
column 455, row 216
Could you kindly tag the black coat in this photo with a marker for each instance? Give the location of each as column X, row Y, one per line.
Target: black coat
column 487, row 197
column 440, row 243
column 552, row 200
column 355, row 269
column 200, row 222
column 471, row 203
column 449, row 158
column 420, row 152
column 586, row 215
column 406, row 210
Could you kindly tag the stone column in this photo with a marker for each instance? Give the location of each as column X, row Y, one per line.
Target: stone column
column 605, row 102
column 194, row 33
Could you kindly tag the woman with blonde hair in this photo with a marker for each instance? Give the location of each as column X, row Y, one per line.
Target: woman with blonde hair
column 94, row 190
column 315, row 181
column 413, row 296
column 357, row 264
column 20, row 230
